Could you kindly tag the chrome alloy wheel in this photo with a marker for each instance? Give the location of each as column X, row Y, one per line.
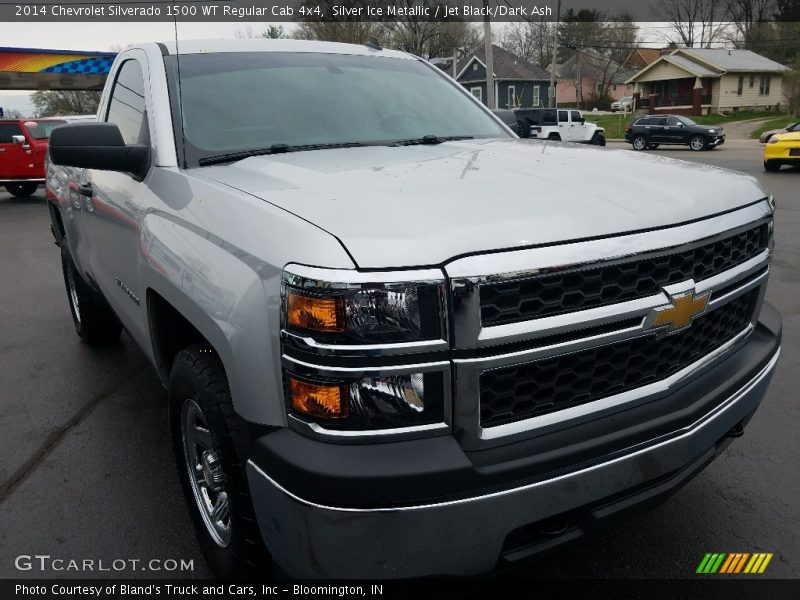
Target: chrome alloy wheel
column 639, row 143
column 206, row 476
column 697, row 143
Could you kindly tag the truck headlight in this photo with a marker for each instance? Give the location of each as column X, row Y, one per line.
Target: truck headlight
column 378, row 310
column 367, row 403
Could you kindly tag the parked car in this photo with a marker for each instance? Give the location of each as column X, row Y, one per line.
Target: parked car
column 23, row 147
column 399, row 341
column 624, row 104
column 782, row 149
column 651, row 131
column 767, row 135
column 567, row 125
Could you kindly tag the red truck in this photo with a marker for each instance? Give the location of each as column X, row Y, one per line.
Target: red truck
column 23, row 147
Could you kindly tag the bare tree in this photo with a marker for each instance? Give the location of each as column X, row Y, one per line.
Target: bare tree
column 51, row 103
column 696, row 23
column 532, row 40
column 348, row 29
column 432, row 39
column 750, row 26
column 273, row 32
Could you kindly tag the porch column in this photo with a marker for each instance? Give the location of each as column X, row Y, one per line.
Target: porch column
column 697, row 97
column 651, row 110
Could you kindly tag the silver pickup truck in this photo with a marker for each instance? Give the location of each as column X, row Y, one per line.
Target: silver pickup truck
column 399, row 341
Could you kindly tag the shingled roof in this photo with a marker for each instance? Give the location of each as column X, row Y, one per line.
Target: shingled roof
column 505, row 64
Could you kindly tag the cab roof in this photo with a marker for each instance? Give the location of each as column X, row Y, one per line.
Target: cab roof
column 268, row 45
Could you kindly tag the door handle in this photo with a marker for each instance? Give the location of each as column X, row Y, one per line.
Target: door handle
column 86, row 190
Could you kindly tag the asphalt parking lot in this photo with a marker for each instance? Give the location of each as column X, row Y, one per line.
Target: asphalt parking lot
column 86, row 468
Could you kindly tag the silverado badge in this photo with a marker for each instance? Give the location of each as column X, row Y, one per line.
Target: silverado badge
column 678, row 315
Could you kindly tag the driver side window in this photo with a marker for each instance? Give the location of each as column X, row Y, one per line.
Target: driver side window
column 127, row 106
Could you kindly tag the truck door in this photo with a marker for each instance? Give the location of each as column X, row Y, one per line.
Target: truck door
column 16, row 161
column 112, row 202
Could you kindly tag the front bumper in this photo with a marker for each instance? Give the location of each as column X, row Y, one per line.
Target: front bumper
column 313, row 531
column 717, row 141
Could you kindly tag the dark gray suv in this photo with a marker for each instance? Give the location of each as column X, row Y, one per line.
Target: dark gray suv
column 649, row 132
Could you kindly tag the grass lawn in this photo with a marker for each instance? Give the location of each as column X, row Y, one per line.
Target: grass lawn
column 777, row 123
column 615, row 124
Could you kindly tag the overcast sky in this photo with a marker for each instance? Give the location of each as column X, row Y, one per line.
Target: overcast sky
column 103, row 36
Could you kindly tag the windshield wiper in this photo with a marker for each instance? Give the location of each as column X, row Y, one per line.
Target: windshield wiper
column 273, row 149
column 430, row 139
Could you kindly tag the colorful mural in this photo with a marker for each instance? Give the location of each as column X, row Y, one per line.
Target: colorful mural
column 20, row 60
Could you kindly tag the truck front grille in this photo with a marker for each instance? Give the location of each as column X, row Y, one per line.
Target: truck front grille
column 569, row 291
column 528, row 390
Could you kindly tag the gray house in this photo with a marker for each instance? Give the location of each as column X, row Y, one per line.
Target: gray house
column 517, row 82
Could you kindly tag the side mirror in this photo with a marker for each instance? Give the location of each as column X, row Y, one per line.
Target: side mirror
column 18, row 139
column 582, row 120
column 97, row 146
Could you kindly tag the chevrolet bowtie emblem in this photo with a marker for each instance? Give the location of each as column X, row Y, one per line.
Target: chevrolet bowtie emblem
column 679, row 313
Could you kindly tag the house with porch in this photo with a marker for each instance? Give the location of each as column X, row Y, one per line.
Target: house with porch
column 517, row 82
column 694, row 81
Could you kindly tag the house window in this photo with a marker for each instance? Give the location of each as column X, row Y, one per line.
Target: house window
column 475, row 66
column 763, row 86
column 740, row 85
column 512, row 96
column 536, row 95
column 752, row 79
column 615, row 87
column 477, row 92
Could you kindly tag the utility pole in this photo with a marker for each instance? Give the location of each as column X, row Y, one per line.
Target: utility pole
column 552, row 91
column 487, row 45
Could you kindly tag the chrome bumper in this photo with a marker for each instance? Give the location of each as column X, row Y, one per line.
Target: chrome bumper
column 467, row 536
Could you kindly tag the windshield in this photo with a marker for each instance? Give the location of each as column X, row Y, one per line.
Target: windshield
column 40, row 130
column 235, row 102
column 686, row 120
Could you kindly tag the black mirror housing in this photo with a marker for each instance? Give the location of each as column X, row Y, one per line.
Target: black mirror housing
column 97, row 146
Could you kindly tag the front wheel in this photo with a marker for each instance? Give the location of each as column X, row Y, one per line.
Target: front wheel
column 697, row 143
column 21, row 190
column 639, row 143
column 598, row 139
column 771, row 166
column 211, row 462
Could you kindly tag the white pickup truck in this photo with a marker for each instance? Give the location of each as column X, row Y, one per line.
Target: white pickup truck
column 399, row 341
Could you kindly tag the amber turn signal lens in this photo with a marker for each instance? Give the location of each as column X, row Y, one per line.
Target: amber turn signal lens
column 319, row 400
column 315, row 314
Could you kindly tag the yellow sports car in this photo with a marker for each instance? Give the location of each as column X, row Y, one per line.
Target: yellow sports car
column 782, row 149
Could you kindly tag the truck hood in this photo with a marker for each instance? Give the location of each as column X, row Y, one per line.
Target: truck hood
column 423, row 205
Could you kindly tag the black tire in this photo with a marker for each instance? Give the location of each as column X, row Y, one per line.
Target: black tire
column 198, row 376
column 95, row 323
column 524, row 128
column 771, row 166
column 697, row 143
column 554, row 137
column 21, row 190
column 639, row 143
column 598, row 139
